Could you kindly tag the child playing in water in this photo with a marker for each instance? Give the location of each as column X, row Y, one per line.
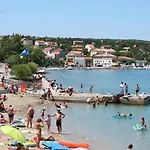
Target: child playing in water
column 48, row 121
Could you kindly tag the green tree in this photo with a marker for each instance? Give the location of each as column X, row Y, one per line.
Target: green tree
column 33, row 66
column 13, row 59
column 21, row 71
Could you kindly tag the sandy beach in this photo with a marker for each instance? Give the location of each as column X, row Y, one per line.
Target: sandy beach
column 20, row 104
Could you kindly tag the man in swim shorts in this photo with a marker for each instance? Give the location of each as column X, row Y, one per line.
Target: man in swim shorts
column 59, row 116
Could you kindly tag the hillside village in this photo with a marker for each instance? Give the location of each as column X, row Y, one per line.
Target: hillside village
column 98, row 57
column 84, row 55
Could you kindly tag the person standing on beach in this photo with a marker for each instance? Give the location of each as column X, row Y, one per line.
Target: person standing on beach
column 30, row 115
column 121, row 88
column 48, row 122
column 11, row 113
column 59, row 116
column 137, row 89
column 126, row 88
column 43, row 113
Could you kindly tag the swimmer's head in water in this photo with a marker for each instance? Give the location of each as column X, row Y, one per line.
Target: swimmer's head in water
column 130, row 115
column 130, row 146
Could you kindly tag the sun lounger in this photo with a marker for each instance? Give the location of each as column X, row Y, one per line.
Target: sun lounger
column 54, row 146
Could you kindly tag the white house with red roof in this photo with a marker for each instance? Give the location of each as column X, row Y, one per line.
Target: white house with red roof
column 39, row 43
column 103, row 56
column 47, row 51
column 58, row 53
column 89, row 47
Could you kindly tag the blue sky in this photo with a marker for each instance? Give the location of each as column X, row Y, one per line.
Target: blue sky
column 76, row 18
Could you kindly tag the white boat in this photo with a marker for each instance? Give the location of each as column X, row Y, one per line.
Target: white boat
column 69, row 68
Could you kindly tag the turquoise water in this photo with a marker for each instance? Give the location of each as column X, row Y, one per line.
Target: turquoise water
column 96, row 126
column 103, row 81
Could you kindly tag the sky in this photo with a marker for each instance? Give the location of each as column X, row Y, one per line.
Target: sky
column 117, row 19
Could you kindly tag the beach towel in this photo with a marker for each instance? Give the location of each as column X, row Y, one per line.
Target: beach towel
column 54, row 146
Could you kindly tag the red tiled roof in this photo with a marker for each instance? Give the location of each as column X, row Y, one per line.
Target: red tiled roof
column 47, row 49
column 104, row 55
column 57, row 50
column 76, row 52
column 40, row 41
column 103, row 50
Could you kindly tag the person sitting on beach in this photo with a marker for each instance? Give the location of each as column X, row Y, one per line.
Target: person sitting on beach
column 20, row 146
column 2, row 119
column 89, row 100
column 97, row 100
column 130, row 147
column 5, row 98
column 143, row 122
column 11, row 113
column 30, row 115
column 2, row 108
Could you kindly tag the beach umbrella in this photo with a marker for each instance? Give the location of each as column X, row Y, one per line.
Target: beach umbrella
column 13, row 133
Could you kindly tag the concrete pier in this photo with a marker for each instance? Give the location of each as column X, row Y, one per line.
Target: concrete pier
column 80, row 97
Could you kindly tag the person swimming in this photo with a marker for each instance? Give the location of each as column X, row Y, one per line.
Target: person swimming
column 124, row 115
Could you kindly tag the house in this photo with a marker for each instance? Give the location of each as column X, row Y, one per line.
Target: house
column 103, row 60
column 89, row 47
column 125, row 49
column 50, row 44
column 39, row 43
column 102, row 50
column 77, row 47
column 79, row 61
column 77, row 42
column 28, row 42
column 47, row 51
column 72, row 54
column 58, row 53
column 88, row 61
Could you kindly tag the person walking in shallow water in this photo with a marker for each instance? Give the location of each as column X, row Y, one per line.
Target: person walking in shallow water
column 137, row 89
column 81, row 87
column 59, row 116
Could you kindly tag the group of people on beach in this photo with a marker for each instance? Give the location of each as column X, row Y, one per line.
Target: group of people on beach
column 40, row 122
column 124, row 89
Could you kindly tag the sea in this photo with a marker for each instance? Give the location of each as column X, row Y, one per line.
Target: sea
column 97, row 126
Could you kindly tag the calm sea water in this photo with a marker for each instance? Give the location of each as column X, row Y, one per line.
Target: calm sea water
column 96, row 126
column 103, row 81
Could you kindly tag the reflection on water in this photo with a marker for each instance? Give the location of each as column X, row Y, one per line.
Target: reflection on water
column 97, row 126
